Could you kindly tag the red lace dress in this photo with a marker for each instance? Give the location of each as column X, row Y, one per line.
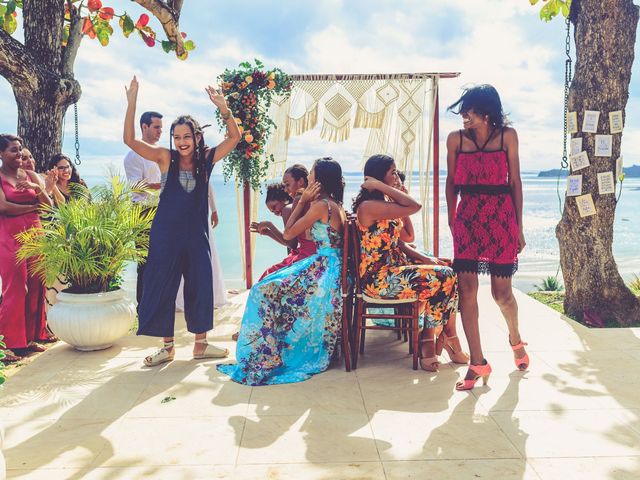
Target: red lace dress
column 485, row 229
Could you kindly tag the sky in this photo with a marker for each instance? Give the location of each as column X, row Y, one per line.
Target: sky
column 501, row 42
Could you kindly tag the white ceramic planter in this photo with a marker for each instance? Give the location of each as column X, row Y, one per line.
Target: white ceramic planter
column 91, row 321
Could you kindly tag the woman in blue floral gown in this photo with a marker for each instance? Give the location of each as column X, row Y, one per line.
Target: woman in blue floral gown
column 292, row 318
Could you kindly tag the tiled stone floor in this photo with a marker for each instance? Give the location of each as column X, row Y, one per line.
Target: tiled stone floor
column 575, row 414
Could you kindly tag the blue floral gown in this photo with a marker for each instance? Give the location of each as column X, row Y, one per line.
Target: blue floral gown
column 292, row 318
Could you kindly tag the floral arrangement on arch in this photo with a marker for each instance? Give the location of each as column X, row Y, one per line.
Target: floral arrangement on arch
column 249, row 90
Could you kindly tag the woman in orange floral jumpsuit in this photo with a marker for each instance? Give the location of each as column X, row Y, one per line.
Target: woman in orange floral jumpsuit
column 385, row 270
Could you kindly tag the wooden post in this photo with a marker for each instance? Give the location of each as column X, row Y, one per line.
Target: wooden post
column 436, row 175
column 247, row 234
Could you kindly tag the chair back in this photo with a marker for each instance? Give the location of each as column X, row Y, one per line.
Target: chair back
column 355, row 242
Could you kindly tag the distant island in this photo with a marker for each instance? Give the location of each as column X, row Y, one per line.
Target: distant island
column 629, row 172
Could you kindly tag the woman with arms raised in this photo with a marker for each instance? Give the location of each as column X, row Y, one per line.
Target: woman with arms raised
column 179, row 243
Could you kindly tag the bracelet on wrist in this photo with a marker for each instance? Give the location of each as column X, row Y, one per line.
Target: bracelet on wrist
column 226, row 116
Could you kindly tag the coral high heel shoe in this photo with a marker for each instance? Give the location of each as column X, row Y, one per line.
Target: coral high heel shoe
column 480, row 371
column 444, row 342
column 522, row 363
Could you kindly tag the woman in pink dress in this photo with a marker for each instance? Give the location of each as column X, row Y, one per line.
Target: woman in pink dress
column 486, row 223
column 22, row 311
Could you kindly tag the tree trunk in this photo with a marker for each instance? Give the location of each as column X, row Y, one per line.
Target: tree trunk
column 41, row 75
column 605, row 34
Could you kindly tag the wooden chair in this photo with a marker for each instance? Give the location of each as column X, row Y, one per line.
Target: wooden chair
column 347, row 296
column 406, row 316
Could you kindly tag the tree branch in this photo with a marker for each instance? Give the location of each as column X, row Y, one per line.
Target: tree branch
column 17, row 65
column 73, row 42
column 168, row 13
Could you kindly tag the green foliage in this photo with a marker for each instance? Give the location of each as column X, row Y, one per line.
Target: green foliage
column 96, row 23
column 553, row 8
column 550, row 284
column 88, row 240
column 249, row 91
column 634, row 285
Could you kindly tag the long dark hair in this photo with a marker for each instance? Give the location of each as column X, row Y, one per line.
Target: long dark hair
column 483, row 100
column 328, row 173
column 200, row 147
column 276, row 191
column 298, row 171
column 75, row 176
column 376, row 167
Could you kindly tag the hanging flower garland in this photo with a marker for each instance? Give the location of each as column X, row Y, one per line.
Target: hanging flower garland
column 249, row 91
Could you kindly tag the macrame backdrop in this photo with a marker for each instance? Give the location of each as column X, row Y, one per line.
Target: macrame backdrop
column 397, row 109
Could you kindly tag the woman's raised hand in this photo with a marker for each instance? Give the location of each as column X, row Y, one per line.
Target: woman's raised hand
column 51, row 179
column 216, row 97
column 311, row 193
column 371, row 184
column 132, row 91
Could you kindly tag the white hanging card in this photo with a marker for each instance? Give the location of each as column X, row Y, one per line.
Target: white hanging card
column 586, row 206
column 619, row 168
column 574, row 185
column 576, row 146
column 615, row 122
column 579, row 161
column 590, row 121
column 605, row 183
column 603, row 145
column 572, row 122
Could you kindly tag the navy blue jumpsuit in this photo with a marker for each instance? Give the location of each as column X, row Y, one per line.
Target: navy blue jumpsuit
column 178, row 246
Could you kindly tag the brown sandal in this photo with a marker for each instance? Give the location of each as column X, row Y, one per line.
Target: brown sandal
column 429, row 364
column 10, row 357
column 34, row 347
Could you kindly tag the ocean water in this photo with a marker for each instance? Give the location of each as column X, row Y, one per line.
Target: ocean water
column 542, row 211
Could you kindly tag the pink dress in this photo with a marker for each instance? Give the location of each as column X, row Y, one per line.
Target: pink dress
column 305, row 249
column 22, row 312
column 485, row 229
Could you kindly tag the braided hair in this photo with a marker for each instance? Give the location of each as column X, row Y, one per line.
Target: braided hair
column 277, row 191
column 199, row 155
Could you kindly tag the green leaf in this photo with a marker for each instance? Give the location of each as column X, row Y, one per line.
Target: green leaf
column 3, row 10
column 9, row 24
column 11, row 7
column 167, row 46
column 533, row 2
column 127, row 25
column 566, row 8
column 189, row 45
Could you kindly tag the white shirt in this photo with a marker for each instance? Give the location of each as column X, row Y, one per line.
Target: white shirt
column 137, row 169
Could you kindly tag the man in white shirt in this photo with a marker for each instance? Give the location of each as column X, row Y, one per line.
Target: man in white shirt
column 138, row 169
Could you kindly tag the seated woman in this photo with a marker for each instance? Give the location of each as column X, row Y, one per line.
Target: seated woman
column 292, row 319
column 448, row 338
column 294, row 181
column 385, row 270
column 64, row 174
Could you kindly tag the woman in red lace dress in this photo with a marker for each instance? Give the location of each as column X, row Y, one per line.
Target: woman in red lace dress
column 486, row 222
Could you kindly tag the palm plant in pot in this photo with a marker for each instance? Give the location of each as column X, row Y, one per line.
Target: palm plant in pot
column 88, row 241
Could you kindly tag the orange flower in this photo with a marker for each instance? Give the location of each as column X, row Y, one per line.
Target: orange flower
column 243, row 85
column 407, row 293
column 448, row 285
column 248, row 79
column 248, row 138
column 271, row 85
